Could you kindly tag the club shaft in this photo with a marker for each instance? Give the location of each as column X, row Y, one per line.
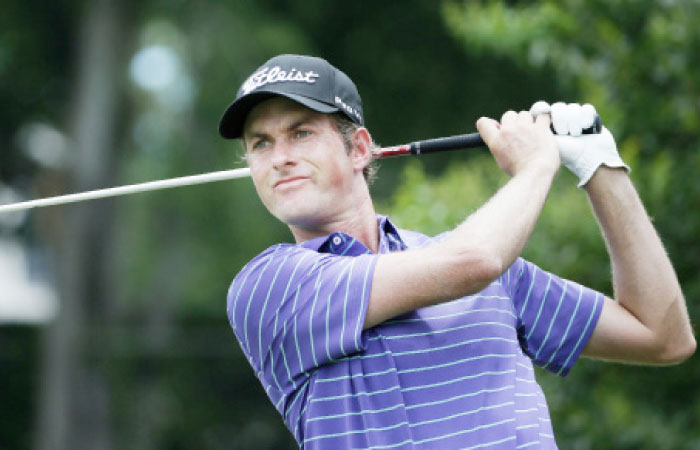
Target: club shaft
column 129, row 189
column 417, row 148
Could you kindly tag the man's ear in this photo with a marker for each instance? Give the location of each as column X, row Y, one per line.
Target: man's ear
column 361, row 148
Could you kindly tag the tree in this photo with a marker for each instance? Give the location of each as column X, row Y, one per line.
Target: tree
column 73, row 407
column 637, row 63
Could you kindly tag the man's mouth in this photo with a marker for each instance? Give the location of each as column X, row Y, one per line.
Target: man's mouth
column 290, row 182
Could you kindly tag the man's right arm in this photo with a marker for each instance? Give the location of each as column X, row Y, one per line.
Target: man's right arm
column 488, row 241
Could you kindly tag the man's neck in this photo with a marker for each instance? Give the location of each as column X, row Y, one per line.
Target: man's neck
column 360, row 223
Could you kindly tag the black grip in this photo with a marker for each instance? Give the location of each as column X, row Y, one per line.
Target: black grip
column 471, row 140
column 474, row 140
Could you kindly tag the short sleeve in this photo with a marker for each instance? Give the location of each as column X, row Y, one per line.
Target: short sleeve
column 294, row 309
column 555, row 316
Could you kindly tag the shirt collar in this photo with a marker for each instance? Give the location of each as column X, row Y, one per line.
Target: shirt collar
column 343, row 244
column 389, row 237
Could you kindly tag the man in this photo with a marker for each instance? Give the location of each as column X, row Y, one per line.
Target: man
column 367, row 336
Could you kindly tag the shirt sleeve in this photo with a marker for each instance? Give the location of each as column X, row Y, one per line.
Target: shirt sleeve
column 555, row 316
column 294, row 309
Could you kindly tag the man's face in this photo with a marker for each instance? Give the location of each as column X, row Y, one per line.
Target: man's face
column 300, row 167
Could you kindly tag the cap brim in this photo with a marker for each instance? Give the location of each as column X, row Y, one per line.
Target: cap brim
column 233, row 119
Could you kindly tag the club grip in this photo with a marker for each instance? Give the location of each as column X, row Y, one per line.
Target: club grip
column 470, row 140
column 473, row 140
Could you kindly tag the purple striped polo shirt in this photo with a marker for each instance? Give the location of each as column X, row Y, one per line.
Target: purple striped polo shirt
column 456, row 375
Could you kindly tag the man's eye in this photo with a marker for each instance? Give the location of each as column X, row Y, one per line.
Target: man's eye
column 257, row 145
column 300, row 134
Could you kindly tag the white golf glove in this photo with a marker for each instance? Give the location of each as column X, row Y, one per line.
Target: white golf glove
column 580, row 153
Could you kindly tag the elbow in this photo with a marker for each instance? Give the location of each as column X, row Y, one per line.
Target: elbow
column 492, row 268
column 692, row 346
column 467, row 267
column 678, row 342
column 678, row 351
column 483, row 268
column 686, row 351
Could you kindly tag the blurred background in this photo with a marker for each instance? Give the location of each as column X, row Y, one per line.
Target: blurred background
column 113, row 332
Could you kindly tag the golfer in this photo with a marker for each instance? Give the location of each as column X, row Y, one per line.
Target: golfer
column 367, row 336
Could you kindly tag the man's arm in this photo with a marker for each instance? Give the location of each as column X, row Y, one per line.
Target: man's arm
column 489, row 240
column 649, row 321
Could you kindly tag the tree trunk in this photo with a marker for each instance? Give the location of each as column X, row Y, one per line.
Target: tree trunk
column 73, row 403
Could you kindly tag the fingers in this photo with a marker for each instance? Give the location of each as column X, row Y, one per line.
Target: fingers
column 588, row 115
column 510, row 117
column 543, row 120
column 563, row 119
column 525, row 116
column 539, row 108
column 520, row 141
column 488, row 129
column 572, row 118
column 566, row 119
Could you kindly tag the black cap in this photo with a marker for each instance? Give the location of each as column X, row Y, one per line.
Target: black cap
column 308, row 80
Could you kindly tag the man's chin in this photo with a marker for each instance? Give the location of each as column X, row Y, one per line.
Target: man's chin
column 308, row 221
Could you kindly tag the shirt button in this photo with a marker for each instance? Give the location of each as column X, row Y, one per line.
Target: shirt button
column 337, row 240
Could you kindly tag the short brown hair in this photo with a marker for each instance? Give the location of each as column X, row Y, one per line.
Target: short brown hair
column 346, row 128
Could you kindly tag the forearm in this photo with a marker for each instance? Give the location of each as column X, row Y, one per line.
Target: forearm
column 501, row 227
column 644, row 281
column 475, row 253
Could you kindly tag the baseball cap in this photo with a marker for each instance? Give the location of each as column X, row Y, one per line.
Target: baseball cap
column 308, row 80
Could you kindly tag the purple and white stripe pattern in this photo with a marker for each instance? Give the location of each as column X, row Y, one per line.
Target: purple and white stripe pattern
column 457, row 375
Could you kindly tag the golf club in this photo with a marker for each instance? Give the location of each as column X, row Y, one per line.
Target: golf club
column 462, row 141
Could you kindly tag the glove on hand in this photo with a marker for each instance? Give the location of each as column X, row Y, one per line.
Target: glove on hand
column 580, row 153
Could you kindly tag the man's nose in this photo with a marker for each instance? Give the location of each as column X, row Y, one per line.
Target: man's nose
column 283, row 154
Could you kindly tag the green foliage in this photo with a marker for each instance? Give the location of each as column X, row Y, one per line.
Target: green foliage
column 633, row 60
column 637, row 63
column 19, row 376
column 433, row 205
column 598, row 405
column 34, row 46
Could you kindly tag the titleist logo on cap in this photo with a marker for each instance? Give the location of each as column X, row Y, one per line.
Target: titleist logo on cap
column 268, row 75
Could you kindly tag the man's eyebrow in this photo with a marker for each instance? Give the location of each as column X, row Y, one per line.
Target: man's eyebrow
column 256, row 134
column 306, row 120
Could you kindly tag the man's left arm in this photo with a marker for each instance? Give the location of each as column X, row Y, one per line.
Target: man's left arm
column 648, row 320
